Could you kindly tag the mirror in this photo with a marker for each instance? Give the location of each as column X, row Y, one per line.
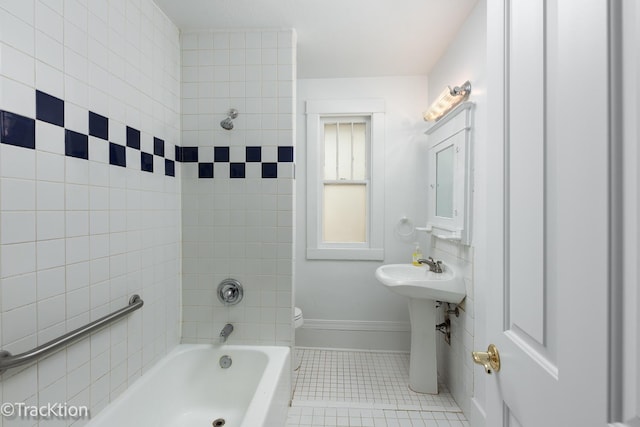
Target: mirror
column 444, row 182
column 450, row 177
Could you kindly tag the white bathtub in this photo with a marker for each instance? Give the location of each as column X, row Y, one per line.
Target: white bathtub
column 189, row 388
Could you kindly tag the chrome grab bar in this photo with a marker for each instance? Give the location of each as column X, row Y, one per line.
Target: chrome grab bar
column 9, row 361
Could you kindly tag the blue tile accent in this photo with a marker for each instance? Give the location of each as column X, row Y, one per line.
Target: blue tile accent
column 133, row 138
column 285, row 154
column 220, row 154
column 98, row 126
column 269, row 170
column 49, row 109
column 237, row 170
column 169, row 167
column 189, row 154
column 76, row 144
column 205, row 170
column 254, row 154
column 17, row 130
column 146, row 162
column 20, row 131
column 117, row 155
column 158, row 147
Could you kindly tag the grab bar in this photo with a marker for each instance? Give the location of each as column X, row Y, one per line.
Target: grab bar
column 8, row 361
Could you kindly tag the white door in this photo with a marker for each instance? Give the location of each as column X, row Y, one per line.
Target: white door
column 552, row 213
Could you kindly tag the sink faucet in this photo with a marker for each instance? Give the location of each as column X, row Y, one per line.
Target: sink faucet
column 435, row 266
column 225, row 332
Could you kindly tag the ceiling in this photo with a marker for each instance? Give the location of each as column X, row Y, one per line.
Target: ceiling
column 340, row 38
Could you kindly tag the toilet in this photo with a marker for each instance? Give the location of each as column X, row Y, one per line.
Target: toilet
column 298, row 321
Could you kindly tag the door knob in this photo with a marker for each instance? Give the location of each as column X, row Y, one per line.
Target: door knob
column 490, row 359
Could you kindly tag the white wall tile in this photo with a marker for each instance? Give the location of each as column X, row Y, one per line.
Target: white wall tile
column 17, row 97
column 17, row 162
column 16, row 32
column 50, row 138
column 17, row 65
column 50, row 253
column 18, row 323
column 80, row 76
column 17, row 195
column 51, row 282
column 50, row 196
column 17, row 227
column 18, row 291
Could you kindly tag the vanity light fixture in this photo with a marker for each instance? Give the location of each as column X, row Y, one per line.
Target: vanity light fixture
column 448, row 99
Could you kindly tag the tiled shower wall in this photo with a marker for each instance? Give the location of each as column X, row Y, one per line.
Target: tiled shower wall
column 89, row 194
column 238, row 185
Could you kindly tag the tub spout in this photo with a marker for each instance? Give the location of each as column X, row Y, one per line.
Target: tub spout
column 225, row 332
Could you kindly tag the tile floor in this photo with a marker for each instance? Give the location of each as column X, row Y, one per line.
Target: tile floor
column 364, row 389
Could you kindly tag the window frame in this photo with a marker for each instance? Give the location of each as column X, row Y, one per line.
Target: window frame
column 317, row 111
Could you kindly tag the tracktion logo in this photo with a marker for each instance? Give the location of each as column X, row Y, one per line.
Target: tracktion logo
column 48, row 411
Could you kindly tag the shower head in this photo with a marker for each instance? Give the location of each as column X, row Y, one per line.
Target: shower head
column 227, row 124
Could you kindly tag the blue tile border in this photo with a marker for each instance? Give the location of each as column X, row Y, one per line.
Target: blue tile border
column 76, row 144
column 133, row 138
column 221, row 154
column 49, row 109
column 253, row 154
column 117, row 155
column 158, row 147
column 17, row 130
column 269, row 170
column 285, row 154
column 98, row 126
column 146, row 162
column 205, row 170
column 20, row 131
column 237, row 170
column 189, row 154
column 169, row 167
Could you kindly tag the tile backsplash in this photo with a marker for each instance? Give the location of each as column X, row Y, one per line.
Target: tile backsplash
column 89, row 194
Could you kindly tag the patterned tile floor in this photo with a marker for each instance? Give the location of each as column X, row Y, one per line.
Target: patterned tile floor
column 362, row 389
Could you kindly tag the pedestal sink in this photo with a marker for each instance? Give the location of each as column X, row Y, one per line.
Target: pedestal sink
column 424, row 288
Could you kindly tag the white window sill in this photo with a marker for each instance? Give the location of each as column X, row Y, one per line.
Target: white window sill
column 350, row 254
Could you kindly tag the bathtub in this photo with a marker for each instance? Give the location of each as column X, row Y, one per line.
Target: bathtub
column 188, row 387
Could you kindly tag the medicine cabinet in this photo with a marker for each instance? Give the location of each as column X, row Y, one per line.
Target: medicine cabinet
column 450, row 176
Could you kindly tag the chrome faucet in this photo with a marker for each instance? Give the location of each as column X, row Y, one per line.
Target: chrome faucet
column 225, row 332
column 435, row 266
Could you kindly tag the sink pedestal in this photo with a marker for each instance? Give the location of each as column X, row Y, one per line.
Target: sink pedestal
column 424, row 288
column 423, row 365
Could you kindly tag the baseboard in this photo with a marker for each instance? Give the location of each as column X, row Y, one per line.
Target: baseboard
column 354, row 334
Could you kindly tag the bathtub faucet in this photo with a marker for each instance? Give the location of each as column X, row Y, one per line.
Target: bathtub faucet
column 225, row 332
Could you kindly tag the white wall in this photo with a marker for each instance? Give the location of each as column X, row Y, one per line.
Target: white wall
column 240, row 227
column 465, row 59
column 342, row 303
column 78, row 236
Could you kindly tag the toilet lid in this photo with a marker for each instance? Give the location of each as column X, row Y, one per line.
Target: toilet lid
column 297, row 313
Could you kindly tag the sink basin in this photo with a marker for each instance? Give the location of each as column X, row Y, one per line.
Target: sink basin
column 419, row 282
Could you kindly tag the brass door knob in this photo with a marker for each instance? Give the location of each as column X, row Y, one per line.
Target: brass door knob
column 490, row 359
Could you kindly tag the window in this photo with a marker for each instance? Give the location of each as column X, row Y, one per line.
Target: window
column 345, row 145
